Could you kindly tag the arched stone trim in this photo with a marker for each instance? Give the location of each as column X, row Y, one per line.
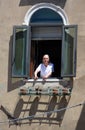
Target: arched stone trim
column 51, row 6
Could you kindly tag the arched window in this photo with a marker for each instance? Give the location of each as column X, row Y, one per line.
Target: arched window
column 46, row 33
column 46, row 15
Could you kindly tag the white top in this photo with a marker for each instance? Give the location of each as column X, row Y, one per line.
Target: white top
column 44, row 70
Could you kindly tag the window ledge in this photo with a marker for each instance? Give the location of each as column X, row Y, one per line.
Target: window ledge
column 47, row 80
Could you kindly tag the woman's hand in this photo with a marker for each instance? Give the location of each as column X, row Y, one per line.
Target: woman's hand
column 35, row 77
column 44, row 77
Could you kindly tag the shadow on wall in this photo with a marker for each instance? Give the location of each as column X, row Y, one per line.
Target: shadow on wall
column 67, row 84
column 12, row 83
column 35, row 106
column 81, row 121
column 60, row 3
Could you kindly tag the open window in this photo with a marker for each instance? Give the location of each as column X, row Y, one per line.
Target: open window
column 69, row 42
column 21, row 51
column 62, row 51
column 28, row 50
column 50, row 47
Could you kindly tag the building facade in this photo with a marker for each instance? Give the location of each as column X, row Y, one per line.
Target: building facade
column 29, row 29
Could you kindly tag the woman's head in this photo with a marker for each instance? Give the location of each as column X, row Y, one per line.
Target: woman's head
column 46, row 59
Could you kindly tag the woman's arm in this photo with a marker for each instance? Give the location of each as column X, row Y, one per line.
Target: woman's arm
column 36, row 72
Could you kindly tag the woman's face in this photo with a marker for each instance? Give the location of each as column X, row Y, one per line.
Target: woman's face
column 45, row 59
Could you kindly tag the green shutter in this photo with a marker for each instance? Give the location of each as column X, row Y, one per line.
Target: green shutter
column 68, row 66
column 20, row 51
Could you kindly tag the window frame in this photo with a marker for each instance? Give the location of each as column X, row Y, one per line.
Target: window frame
column 28, row 45
column 28, row 49
column 74, row 51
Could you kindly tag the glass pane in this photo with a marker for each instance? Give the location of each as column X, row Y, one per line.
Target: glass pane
column 51, row 16
column 69, row 49
column 20, row 40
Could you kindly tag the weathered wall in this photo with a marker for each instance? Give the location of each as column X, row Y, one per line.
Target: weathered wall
column 12, row 13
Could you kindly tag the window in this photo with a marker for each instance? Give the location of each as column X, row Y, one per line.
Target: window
column 50, row 47
column 29, row 48
column 69, row 47
column 21, row 51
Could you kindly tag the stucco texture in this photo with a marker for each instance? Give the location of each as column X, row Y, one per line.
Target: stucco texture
column 12, row 12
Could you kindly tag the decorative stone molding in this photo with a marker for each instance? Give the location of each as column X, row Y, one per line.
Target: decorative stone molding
column 51, row 6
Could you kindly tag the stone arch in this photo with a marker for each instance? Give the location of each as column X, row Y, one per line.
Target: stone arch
column 51, row 6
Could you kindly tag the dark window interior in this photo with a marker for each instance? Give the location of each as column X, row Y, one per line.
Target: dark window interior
column 50, row 47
